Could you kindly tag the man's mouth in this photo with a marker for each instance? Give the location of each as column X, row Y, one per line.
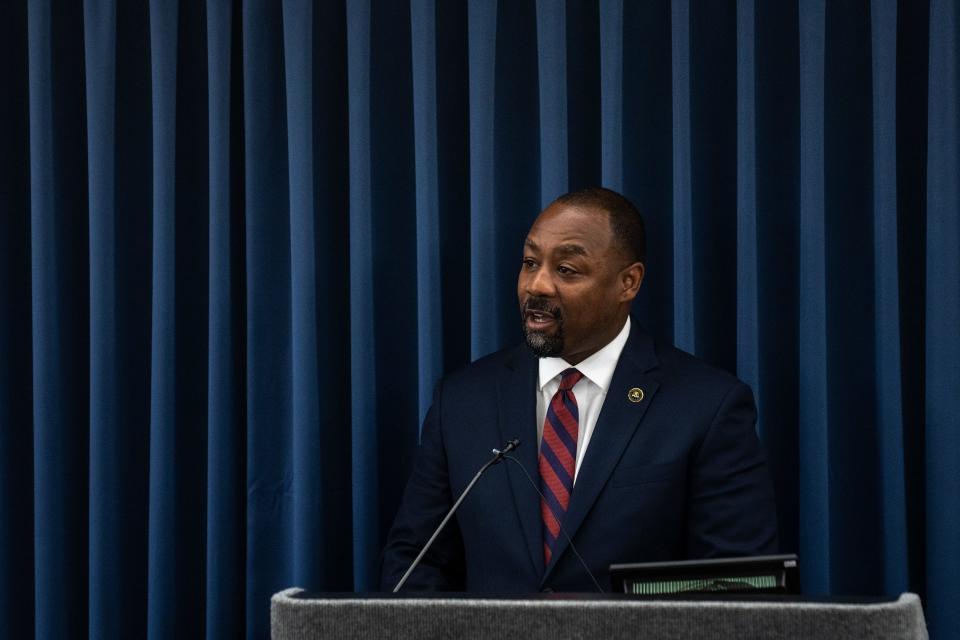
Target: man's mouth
column 537, row 320
column 543, row 327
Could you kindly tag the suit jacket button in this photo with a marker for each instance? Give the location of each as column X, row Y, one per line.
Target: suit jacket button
column 546, row 590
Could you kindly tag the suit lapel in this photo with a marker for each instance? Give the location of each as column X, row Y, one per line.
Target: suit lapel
column 516, row 389
column 615, row 426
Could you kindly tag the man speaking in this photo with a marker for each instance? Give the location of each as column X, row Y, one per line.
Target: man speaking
column 640, row 451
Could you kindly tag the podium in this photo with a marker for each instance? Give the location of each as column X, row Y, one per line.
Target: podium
column 297, row 615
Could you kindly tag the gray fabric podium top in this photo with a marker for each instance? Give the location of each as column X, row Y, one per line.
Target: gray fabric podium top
column 567, row 616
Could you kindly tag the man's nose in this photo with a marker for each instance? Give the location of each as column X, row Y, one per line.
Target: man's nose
column 539, row 283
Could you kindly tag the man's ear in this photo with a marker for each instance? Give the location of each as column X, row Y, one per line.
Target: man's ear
column 630, row 280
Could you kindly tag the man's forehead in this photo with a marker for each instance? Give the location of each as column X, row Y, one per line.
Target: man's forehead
column 575, row 230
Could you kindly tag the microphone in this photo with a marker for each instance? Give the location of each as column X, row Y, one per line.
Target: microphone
column 573, row 548
column 498, row 455
column 510, row 446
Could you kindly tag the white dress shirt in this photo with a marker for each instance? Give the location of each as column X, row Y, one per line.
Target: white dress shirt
column 590, row 391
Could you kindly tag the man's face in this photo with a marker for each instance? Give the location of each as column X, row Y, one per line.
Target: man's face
column 575, row 286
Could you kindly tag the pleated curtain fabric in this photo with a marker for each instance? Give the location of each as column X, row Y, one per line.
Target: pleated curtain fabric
column 241, row 241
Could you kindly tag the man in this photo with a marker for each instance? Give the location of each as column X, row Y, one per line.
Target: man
column 640, row 452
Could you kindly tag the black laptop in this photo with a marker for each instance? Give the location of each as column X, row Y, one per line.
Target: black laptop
column 757, row 574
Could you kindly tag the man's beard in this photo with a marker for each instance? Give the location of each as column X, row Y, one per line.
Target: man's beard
column 542, row 344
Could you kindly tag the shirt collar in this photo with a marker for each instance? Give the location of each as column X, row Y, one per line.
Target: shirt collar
column 598, row 368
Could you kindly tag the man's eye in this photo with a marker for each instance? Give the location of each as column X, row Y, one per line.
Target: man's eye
column 565, row 270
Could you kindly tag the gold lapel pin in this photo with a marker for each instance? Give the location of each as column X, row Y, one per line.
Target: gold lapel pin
column 635, row 394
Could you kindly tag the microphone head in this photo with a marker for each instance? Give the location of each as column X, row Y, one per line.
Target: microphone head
column 512, row 444
column 507, row 448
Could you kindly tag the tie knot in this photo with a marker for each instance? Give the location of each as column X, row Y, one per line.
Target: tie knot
column 569, row 378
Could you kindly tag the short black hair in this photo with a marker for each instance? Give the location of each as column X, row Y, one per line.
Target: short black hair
column 626, row 223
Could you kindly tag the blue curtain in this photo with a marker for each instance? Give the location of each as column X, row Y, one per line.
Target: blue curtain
column 240, row 242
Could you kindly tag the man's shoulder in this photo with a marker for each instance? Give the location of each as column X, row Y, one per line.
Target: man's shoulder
column 473, row 388
column 678, row 367
column 488, row 367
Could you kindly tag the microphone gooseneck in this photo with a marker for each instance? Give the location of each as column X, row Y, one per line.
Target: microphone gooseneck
column 573, row 548
column 499, row 454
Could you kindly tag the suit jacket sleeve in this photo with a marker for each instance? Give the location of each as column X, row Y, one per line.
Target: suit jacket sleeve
column 731, row 509
column 426, row 501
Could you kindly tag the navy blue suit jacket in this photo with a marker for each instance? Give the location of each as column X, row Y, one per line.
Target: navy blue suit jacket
column 678, row 475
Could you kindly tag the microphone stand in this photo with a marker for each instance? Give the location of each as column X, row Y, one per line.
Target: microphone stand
column 498, row 456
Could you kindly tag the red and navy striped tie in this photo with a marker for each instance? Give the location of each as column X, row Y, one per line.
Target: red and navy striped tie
column 558, row 458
